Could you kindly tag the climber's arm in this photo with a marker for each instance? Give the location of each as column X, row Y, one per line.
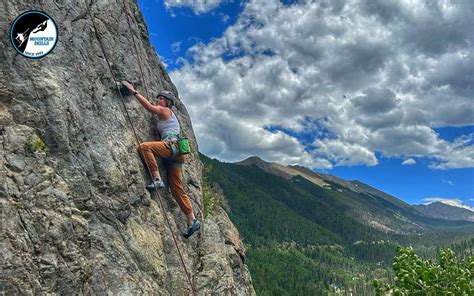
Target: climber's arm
column 144, row 101
column 152, row 108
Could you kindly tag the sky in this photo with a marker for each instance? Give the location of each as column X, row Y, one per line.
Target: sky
column 379, row 91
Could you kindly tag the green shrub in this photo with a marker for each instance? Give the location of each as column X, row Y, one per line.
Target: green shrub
column 447, row 275
column 210, row 198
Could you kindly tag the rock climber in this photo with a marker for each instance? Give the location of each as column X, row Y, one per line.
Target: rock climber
column 169, row 130
column 21, row 37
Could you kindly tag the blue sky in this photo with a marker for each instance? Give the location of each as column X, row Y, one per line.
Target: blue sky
column 182, row 26
column 376, row 91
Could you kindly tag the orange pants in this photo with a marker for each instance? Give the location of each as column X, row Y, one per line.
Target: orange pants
column 175, row 177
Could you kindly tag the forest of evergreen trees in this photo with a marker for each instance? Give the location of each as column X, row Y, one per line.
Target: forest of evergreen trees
column 306, row 240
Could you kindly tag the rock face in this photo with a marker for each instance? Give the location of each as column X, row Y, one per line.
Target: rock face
column 76, row 218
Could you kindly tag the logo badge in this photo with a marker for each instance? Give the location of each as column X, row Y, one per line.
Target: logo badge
column 34, row 34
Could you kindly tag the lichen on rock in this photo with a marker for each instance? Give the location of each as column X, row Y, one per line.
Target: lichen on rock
column 34, row 144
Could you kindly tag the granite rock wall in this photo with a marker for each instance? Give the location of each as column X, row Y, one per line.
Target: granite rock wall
column 75, row 217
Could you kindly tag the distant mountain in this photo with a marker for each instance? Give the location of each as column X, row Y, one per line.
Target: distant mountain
column 286, row 172
column 323, row 180
column 444, row 211
column 413, row 216
column 372, row 212
column 308, row 232
column 435, row 210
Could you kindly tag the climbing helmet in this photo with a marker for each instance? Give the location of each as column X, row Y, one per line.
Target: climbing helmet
column 169, row 97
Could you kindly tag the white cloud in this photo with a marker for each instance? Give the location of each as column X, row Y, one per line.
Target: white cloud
column 176, row 47
column 345, row 153
column 409, row 161
column 456, row 202
column 224, row 17
column 198, row 6
column 458, row 154
column 448, row 182
column 355, row 67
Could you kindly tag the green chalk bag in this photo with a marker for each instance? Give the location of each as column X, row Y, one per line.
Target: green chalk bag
column 183, row 145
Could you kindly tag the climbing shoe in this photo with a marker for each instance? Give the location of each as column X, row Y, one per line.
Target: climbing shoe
column 158, row 184
column 192, row 229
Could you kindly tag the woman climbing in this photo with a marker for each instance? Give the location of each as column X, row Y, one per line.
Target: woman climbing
column 169, row 130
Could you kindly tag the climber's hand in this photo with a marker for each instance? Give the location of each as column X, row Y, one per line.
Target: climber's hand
column 129, row 86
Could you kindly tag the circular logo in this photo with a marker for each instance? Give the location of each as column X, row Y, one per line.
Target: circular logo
column 34, row 34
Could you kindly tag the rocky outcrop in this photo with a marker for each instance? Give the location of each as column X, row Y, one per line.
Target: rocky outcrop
column 76, row 218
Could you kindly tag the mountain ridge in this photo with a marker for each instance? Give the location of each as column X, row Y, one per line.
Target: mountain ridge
column 325, row 180
column 445, row 211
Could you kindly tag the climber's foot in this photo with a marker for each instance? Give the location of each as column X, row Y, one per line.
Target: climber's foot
column 192, row 229
column 157, row 183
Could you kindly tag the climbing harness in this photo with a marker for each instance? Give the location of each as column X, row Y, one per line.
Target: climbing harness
column 183, row 265
column 171, row 137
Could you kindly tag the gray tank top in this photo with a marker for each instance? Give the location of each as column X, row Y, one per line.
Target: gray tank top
column 168, row 128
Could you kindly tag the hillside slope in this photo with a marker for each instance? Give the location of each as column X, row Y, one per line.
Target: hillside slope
column 367, row 205
column 319, row 179
column 368, row 212
column 314, row 239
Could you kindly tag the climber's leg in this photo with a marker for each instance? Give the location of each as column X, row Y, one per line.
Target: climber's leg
column 150, row 150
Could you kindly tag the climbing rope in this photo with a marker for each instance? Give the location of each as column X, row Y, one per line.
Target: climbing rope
column 125, row 7
column 183, row 265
